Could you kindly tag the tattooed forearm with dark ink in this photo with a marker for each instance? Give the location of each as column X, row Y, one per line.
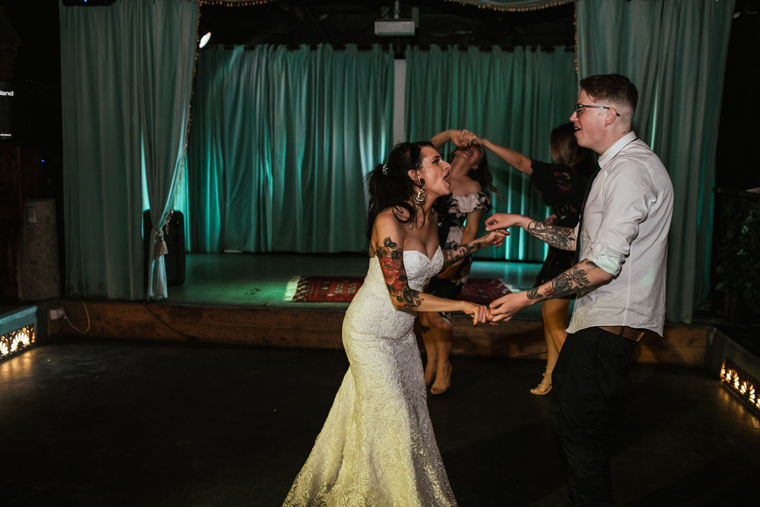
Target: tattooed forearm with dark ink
column 566, row 284
column 558, row 237
column 392, row 264
column 458, row 252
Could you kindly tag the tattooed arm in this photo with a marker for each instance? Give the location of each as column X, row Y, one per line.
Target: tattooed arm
column 458, row 252
column 471, row 226
column 558, row 237
column 387, row 244
column 582, row 276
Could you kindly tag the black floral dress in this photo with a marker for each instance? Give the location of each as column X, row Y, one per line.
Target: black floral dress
column 562, row 188
column 453, row 214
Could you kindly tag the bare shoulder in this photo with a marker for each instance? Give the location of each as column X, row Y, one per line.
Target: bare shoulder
column 389, row 218
column 387, row 229
column 471, row 186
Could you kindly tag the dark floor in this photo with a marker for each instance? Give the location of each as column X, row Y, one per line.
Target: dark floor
column 91, row 422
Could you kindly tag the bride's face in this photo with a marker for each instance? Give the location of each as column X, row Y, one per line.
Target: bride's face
column 435, row 171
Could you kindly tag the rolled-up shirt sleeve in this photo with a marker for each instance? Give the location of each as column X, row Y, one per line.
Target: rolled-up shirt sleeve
column 631, row 186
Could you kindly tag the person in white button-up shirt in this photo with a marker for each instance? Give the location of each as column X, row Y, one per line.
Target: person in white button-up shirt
column 619, row 280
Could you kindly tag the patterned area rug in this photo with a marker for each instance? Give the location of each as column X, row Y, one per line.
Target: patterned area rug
column 341, row 289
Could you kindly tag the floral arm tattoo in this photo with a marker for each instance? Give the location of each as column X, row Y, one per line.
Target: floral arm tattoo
column 556, row 236
column 392, row 264
column 570, row 282
column 456, row 252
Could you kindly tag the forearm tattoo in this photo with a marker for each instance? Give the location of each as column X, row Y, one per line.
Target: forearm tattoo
column 553, row 235
column 456, row 253
column 570, row 282
column 392, row 263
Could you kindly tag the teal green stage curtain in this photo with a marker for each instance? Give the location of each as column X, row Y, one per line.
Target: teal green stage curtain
column 675, row 53
column 512, row 98
column 166, row 60
column 280, row 145
column 110, row 131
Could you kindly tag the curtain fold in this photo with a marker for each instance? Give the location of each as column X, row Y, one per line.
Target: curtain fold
column 675, row 53
column 280, row 145
column 166, row 55
column 513, row 98
column 126, row 76
column 101, row 153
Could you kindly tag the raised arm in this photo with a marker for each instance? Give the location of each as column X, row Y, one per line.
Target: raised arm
column 553, row 235
column 472, row 223
column 452, row 135
column 511, row 157
column 458, row 252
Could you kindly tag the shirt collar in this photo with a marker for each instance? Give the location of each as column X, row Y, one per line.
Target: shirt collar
column 615, row 148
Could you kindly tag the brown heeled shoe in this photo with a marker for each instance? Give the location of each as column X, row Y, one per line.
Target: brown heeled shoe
column 440, row 388
column 544, row 387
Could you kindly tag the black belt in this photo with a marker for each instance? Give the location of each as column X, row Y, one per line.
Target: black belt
column 624, row 331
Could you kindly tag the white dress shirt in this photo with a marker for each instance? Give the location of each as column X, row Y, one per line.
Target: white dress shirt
column 625, row 232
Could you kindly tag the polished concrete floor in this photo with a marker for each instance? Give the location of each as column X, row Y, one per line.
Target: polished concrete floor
column 91, row 422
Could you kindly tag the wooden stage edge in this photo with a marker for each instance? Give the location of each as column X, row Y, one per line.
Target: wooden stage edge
column 314, row 328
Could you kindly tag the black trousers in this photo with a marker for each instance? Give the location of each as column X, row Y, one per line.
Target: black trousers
column 590, row 374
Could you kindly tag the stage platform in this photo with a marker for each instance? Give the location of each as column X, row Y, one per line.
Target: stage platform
column 241, row 299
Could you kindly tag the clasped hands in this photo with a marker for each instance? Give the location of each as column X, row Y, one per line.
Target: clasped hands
column 504, row 307
column 513, row 303
column 464, row 138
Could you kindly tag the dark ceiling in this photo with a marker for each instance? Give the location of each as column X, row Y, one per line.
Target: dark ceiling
column 440, row 22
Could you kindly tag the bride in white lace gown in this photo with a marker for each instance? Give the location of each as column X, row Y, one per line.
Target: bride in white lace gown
column 377, row 446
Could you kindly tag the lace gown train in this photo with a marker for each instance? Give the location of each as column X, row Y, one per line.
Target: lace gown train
column 377, row 446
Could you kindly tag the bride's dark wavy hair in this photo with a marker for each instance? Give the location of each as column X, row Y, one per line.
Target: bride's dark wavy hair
column 390, row 185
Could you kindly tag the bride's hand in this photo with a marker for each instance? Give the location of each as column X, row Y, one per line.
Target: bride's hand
column 496, row 239
column 479, row 313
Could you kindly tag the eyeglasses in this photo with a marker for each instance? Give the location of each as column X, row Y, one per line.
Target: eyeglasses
column 579, row 108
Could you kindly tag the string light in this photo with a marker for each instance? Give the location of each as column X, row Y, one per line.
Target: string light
column 534, row 6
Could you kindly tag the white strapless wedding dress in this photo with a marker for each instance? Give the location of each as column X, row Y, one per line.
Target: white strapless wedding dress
column 377, row 447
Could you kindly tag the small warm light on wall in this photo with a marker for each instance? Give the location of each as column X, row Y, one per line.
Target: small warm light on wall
column 741, row 384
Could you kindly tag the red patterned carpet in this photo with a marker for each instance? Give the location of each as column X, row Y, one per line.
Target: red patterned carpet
column 331, row 289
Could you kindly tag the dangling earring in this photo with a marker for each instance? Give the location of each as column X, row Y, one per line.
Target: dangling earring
column 420, row 197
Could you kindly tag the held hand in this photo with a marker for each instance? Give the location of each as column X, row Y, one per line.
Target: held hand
column 507, row 306
column 495, row 238
column 550, row 219
column 502, row 221
column 472, row 138
column 479, row 313
column 457, row 137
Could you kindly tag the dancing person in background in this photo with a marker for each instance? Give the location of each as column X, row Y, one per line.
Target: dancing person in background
column 622, row 241
column 460, row 215
column 561, row 186
column 377, row 445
